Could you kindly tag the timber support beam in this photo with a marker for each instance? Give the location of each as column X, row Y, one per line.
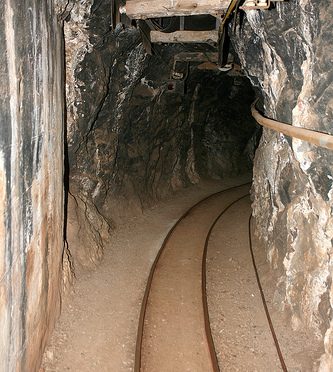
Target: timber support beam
column 208, row 37
column 143, row 9
column 196, row 57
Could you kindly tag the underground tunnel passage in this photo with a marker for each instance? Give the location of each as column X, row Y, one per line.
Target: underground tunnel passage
column 131, row 159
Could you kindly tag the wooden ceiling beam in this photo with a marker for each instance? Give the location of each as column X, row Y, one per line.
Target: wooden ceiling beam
column 143, row 9
column 197, row 57
column 184, row 37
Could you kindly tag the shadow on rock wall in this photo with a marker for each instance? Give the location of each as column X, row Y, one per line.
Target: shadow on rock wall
column 131, row 141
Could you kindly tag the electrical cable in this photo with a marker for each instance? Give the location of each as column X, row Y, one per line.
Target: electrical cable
column 169, row 28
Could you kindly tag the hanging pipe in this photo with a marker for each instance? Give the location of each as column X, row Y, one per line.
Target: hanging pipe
column 316, row 138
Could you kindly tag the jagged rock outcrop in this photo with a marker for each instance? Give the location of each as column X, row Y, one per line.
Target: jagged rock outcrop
column 287, row 55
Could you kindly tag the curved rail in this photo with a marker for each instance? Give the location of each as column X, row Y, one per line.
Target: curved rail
column 209, row 338
column 204, row 288
column 137, row 362
column 264, row 302
column 316, row 138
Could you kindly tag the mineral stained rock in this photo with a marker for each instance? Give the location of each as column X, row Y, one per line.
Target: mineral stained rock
column 287, row 54
column 31, row 180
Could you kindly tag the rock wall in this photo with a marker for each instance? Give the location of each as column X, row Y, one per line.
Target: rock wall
column 31, row 180
column 224, row 133
column 287, row 54
column 130, row 140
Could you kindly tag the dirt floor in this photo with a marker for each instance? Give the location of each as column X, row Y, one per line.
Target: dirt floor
column 174, row 337
column 98, row 326
column 239, row 325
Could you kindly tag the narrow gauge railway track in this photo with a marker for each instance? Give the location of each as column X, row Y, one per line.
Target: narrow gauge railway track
column 174, row 331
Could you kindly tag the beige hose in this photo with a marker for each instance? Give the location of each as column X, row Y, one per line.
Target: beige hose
column 316, row 138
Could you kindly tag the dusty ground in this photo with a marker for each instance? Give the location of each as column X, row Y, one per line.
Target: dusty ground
column 240, row 330
column 98, row 325
column 174, row 333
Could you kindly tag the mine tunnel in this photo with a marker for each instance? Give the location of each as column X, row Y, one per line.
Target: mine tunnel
column 166, row 185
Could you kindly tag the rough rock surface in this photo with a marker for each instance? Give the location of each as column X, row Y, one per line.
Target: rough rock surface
column 222, row 124
column 287, row 54
column 130, row 140
column 31, row 180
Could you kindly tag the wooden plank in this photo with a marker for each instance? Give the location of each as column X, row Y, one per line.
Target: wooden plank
column 145, row 35
column 184, row 37
column 196, row 57
column 142, row 9
column 208, row 66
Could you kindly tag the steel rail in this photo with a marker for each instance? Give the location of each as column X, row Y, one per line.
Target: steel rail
column 138, row 347
column 263, row 298
column 264, row 302
column 208, row 329
column 209, row 337
column 316, row 138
